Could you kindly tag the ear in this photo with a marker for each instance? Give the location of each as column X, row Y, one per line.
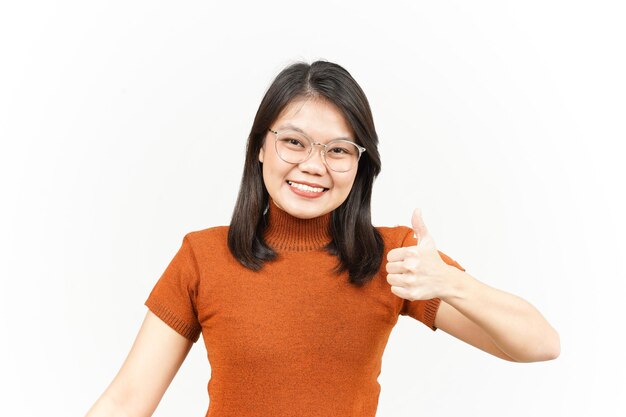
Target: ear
column 262, row 153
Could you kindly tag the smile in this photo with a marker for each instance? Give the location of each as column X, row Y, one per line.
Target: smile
column 307, row 188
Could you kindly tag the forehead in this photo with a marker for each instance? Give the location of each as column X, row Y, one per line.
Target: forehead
column 315, row 117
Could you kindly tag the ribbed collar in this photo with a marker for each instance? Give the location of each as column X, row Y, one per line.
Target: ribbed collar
column 289, row 233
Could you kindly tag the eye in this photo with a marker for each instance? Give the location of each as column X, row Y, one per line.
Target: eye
column 294, row 142
column 339, row 150
column 343, row 149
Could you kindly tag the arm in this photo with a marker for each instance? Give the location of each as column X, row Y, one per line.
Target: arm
column 152, row 363
column 490, row 319
column 495, row 321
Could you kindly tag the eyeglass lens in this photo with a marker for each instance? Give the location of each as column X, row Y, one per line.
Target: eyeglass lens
column 294, row 147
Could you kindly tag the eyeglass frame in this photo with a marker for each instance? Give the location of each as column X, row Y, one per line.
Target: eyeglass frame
column 361, row 149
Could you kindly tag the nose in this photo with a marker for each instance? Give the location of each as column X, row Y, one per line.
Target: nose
column 315, row 163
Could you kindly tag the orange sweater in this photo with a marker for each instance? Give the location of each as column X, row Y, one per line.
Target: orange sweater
column 293, row 339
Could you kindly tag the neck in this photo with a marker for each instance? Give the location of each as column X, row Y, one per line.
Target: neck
column 286, row 232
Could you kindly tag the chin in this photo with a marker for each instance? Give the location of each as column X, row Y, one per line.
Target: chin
column 300, row 210
column 306, row 214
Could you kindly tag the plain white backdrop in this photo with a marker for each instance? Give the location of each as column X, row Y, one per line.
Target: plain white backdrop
column 123, row 127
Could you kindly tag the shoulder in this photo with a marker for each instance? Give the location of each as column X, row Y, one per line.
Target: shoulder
column 207, row 238
column 208, row 233
column 208, row 246
column 395, row 237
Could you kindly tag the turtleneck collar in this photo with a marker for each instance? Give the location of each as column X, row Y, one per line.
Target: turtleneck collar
column 289, row 233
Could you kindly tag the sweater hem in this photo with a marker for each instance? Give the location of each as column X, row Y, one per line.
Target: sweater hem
column 430, row 312
column 186, row 330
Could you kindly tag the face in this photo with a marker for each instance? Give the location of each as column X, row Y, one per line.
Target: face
column 321, row 121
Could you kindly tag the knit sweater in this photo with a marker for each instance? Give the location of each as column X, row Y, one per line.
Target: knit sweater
column 295, row 338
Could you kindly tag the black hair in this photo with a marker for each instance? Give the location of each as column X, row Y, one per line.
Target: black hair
column 356, row 243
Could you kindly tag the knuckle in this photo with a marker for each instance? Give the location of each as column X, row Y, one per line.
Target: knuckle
column 411, row 265
column 412, row 251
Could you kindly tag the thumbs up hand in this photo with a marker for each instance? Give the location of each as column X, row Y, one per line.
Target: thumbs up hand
column 418, row 272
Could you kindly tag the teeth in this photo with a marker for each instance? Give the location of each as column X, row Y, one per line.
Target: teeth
column 305, row 187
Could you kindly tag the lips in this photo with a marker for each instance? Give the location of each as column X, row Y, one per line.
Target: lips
column 307, row 186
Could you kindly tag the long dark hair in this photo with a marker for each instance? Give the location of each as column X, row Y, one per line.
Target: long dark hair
column 356, row 243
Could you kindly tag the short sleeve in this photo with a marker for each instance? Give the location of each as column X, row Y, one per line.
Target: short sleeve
column 173, row 298
column 424, row 310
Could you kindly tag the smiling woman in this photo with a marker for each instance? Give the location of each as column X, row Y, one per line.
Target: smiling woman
column 323, row 107
column 306, row 188
column 296, row 298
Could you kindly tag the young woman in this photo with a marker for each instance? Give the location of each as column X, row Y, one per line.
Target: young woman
column 295, row 300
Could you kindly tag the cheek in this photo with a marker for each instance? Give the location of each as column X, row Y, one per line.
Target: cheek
column 274, row 171
column 269, row 177
column 346, row 183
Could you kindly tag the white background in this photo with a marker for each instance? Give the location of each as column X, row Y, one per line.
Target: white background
column 123, row 127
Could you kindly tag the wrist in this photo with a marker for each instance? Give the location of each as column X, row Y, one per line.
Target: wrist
column 459, row 285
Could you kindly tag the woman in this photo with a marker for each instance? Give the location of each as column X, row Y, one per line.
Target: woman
column 296, row 298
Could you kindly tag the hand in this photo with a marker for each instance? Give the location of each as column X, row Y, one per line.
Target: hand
column 418, row 272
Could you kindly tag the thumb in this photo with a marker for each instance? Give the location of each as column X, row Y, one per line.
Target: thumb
column 419, row 227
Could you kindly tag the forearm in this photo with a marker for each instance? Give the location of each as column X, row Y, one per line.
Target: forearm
column 106, row 406
column 514, row 325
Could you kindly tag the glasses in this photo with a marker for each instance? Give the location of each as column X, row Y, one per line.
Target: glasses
column 340, row 155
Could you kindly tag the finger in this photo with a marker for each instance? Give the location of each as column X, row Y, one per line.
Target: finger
column 418, row 224
column 396, row 279
column 401, row 292
column 399, row 254
column 419, row 227
column 398, row 267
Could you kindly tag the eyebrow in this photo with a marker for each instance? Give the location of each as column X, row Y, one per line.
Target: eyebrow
column 297, row 129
